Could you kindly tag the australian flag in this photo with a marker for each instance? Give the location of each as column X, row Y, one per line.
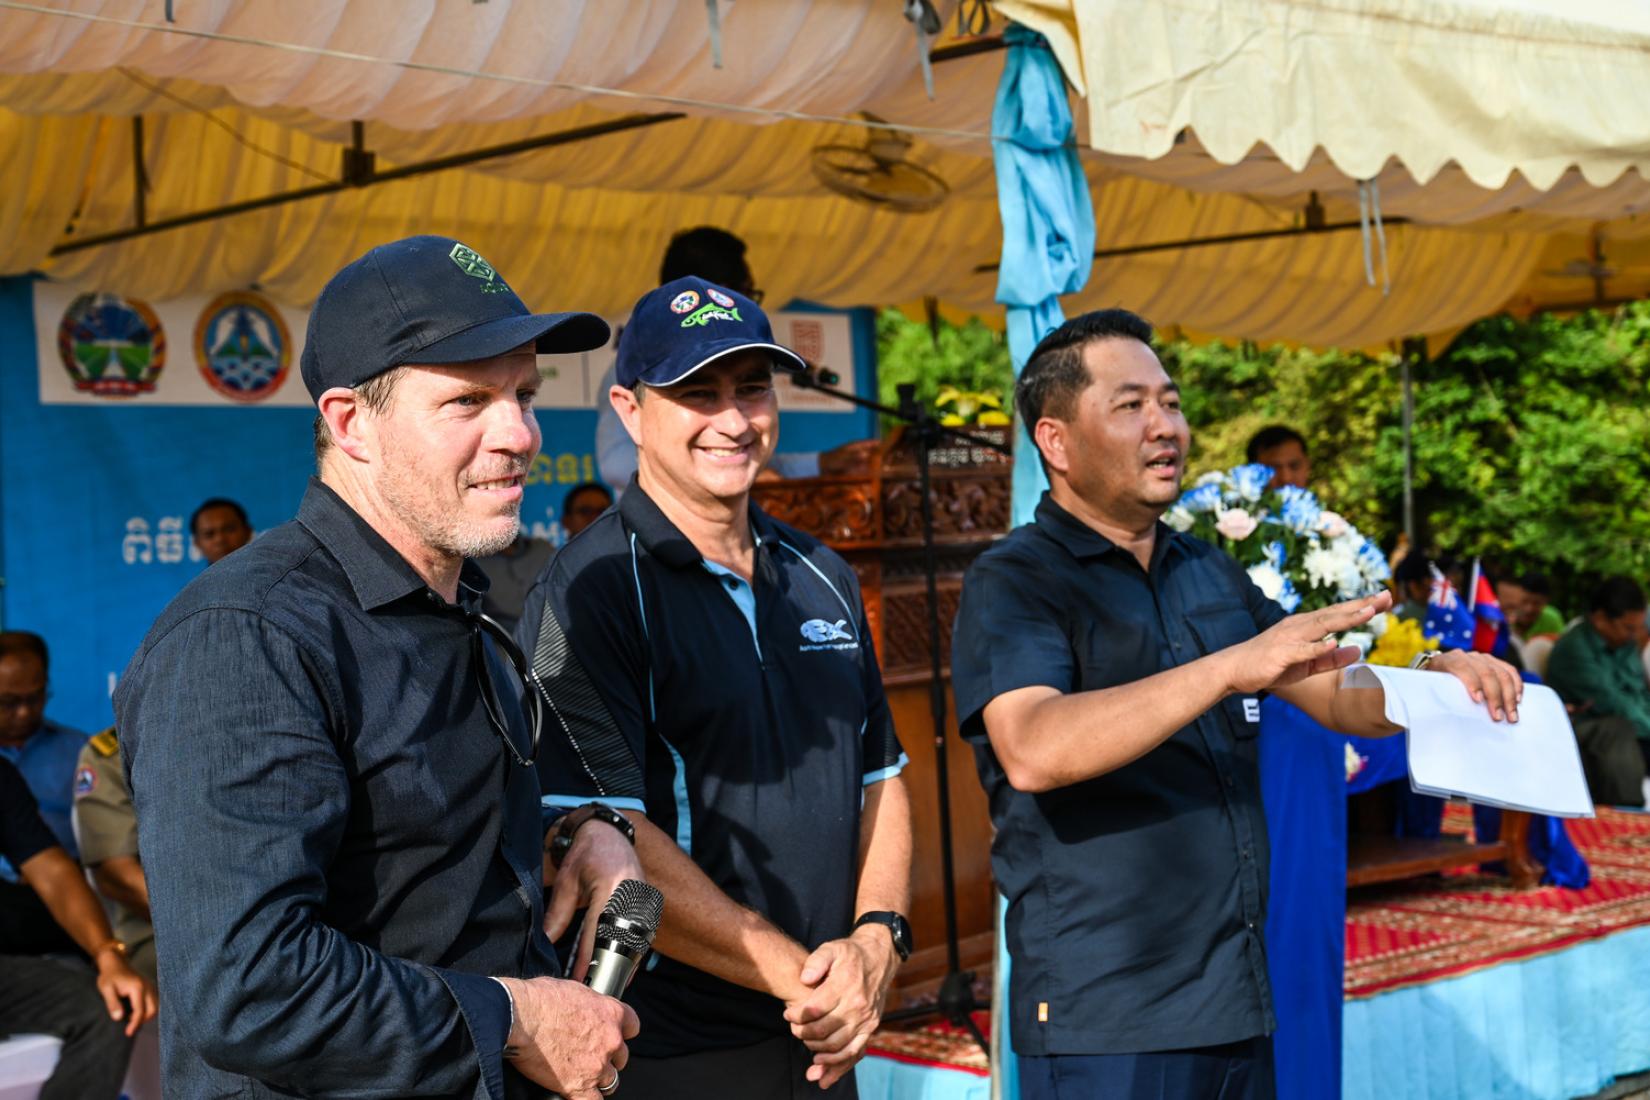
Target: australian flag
column 1446, row 618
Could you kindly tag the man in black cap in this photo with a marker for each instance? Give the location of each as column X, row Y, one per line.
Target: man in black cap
column 330, row 749
column 711, row 677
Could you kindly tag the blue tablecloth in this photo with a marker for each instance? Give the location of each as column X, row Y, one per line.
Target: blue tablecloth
column 1303, row 783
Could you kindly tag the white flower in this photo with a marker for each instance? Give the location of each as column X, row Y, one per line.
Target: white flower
column 1377, row 626
column 1324, row 566
column 1213, row 477
column 1235, row 523
column 1178, row 518
column 1362, row 639
column 1333, row 524
column 1267, row 579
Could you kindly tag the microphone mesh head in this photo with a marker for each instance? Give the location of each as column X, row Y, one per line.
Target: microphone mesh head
column 640, row 906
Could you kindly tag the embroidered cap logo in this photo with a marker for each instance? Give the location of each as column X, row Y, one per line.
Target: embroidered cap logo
column 709, row 312
column 470, row 262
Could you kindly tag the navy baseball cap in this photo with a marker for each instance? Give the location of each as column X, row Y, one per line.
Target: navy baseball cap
column 426, row 300
column 688, row 323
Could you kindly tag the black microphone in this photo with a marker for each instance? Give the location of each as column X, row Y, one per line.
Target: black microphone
column 815, row 377
column 624, row 935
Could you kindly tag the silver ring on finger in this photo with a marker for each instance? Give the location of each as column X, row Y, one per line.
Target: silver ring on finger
column 612, row 1086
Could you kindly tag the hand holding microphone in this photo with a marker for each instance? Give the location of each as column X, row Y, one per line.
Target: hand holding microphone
column 556, row 1021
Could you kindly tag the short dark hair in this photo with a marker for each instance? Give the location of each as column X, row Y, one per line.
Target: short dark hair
column 1617, row 596
column 1054, row 374
column 22, row 643
column 584, row 487
column 1413, row 566
column 708, row 253
column 1537, row 583
column 1275, row 435
column 217, row 502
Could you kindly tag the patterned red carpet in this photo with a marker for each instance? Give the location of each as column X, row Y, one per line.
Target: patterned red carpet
column 1426, row 929
column 936, row 1043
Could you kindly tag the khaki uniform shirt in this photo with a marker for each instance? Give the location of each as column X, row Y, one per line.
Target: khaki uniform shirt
column 106, row 826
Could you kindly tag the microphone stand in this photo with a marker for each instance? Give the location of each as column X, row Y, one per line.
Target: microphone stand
column 956, row 1001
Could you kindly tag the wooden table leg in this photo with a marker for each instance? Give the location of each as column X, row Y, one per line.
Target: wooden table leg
column 1522, row 868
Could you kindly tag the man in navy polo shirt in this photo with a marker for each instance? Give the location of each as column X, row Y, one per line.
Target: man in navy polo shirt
column 711, row 672
column 1108, row 671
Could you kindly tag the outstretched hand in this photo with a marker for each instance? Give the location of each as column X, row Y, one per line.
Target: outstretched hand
column 1300, row 646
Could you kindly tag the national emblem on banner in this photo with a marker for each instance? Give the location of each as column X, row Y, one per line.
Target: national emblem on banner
column 242, row 346
column 111, row 346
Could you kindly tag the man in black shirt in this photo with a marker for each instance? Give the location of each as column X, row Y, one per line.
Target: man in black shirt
column 328, row 746
column 1108, row 671
column 709, row 673
column 59, row 996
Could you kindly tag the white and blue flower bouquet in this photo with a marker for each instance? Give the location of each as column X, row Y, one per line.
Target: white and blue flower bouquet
column 1296, row 551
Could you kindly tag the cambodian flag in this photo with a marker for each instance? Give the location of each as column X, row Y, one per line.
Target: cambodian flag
column 1446, row 619
column 1489, row 633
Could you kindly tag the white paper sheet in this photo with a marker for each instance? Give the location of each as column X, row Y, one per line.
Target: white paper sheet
column 1455, row 748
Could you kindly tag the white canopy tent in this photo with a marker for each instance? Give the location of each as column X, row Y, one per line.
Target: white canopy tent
column 1504, row 142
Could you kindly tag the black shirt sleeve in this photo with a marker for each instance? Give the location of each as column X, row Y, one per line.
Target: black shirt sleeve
column 23, row 835
column 1010, row 633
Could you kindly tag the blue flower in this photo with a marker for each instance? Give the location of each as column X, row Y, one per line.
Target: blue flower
column 1289, row 599
column 1204, row 498
column 1299, row 509
column 1372, row 563
column 1276, row 553
column 1249, row 482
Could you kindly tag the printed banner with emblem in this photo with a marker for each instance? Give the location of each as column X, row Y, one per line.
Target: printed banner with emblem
column 242, row 349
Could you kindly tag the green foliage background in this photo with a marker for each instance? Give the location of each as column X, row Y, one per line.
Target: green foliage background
column 1532, row 438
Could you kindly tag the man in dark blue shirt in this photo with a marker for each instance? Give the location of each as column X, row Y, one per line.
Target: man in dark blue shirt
column 328, row 746
column 1108, row 671
column 60, row 996
column 710, row 674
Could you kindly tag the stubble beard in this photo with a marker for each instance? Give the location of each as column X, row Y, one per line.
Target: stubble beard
column 410, row 500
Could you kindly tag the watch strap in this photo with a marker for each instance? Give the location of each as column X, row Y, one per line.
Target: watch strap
column 898, row 927
column 561, row 840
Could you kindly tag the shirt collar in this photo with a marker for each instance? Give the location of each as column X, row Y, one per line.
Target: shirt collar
column 377, row 573
column 664, row 540
column 1082, row 541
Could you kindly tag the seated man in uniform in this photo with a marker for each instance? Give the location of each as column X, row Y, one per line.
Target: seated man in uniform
column 1595, row 667
column 106, row 826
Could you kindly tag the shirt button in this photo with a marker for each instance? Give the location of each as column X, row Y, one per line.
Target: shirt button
column 1251, row 926
column 1230, row 782
column 730, row 582
column 1248, row 853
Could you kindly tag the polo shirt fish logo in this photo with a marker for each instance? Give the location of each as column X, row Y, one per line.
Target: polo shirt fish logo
column 826, row 635
column 470, row 262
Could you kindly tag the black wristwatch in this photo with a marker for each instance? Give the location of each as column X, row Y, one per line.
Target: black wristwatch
column 561, row 841
column 897, row 926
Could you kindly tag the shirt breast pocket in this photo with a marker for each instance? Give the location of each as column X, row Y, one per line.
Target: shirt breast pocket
column 1219, row 626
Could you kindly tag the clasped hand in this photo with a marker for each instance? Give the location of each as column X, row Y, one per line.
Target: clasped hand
column 848, row 982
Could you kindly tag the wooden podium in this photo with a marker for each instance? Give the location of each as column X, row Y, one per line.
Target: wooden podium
column 868, row 509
